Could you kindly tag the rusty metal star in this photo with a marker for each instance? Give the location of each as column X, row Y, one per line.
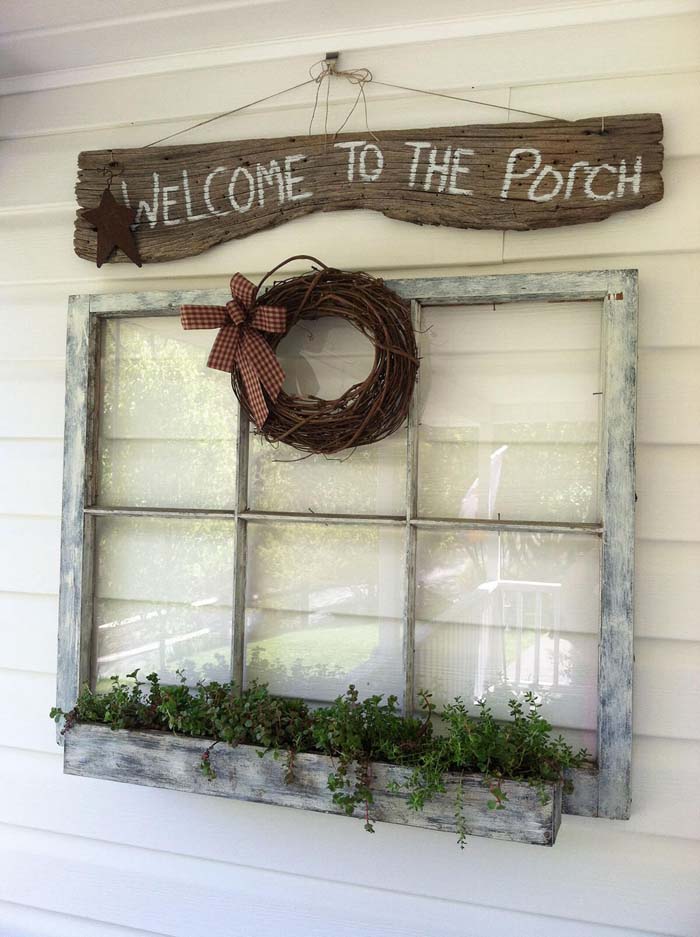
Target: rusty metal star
column 112, row 222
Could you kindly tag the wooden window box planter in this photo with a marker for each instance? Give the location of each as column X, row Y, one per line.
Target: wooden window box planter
column 160, row 759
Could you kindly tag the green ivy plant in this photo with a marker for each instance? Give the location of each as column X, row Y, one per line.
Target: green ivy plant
column 355, row 733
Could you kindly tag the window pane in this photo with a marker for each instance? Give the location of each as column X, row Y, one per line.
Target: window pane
column 323, row 358
column 509, row 411
column 163, row 597
column 498, row 614
column 324, row 609
column 167, row 421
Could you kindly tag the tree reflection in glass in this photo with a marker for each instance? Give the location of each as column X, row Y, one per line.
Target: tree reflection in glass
column 323, row 609
column 168, row 423
column 163, row 598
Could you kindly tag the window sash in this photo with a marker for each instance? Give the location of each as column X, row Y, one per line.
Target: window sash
column 602, row 790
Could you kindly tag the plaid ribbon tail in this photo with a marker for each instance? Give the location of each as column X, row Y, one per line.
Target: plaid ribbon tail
column 259, row 368
column 203, row 317
column 224, row 351
column 240, row 345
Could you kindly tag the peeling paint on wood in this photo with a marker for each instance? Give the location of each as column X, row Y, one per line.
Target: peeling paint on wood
column 158, row 759
column 73, row 665
column 617, row 587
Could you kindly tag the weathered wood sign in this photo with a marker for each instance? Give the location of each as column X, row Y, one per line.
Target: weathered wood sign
column 516, row 176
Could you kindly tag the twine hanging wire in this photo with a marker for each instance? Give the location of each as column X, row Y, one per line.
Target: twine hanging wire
column 235, row 110
column 355, row 76
column 454, row 97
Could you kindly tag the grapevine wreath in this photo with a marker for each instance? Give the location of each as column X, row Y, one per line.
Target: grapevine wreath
column 252, row 324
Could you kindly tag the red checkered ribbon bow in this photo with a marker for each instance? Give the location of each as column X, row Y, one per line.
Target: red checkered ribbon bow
column 240, row 343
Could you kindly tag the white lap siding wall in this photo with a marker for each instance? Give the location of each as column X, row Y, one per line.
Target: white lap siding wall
column 94, row 858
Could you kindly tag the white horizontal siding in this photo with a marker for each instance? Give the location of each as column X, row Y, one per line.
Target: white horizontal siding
column 19, row 920
column 171, row 891
column 28, row 623
column 30, row 476
column 29, row 553
column 87, row 857
column 667, row 590
column 565, row 54
column 168, row 42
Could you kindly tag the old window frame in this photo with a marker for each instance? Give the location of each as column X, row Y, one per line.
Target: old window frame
column 603, row 789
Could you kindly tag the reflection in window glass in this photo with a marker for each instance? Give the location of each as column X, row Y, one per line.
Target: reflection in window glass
column 371, row 481
column 163, row 598
column 509, row 412
column 167, row 421
column 323, row 609
column 498, row 614
column 509, row 427
column 323, row 358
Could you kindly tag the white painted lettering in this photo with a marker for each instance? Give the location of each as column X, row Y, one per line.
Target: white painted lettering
column 207, row 191
column 236, row 205
column 635, row 179
column 188, row 199
column 510, row 173
column 591, row 174
column 291, row 181
column 442, row 169
column 125, row 194
column 168, row 203
column 366, row 176
column 452, row 187
column 541, row 176
column 571, row 178
column 269, row 175
column 151, row 211
column 417, row 147
column 350, row 146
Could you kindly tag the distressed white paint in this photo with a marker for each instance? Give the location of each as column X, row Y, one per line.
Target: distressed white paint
column 87, row 857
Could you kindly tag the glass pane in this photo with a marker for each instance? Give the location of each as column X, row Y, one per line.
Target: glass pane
column 163, row 598
column 509, row 412
column 324, row 609
column 498, row 614
column 167, row 421
column 324, row 358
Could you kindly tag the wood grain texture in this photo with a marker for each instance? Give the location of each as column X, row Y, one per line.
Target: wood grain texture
column 411, row 534
column 617, row 568
column 516, row 176
column 73, row 665
column 559, row 286
column 159, row 759
column 240, row 550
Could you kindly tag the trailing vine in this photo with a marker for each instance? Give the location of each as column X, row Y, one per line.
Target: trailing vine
column 355, row 733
